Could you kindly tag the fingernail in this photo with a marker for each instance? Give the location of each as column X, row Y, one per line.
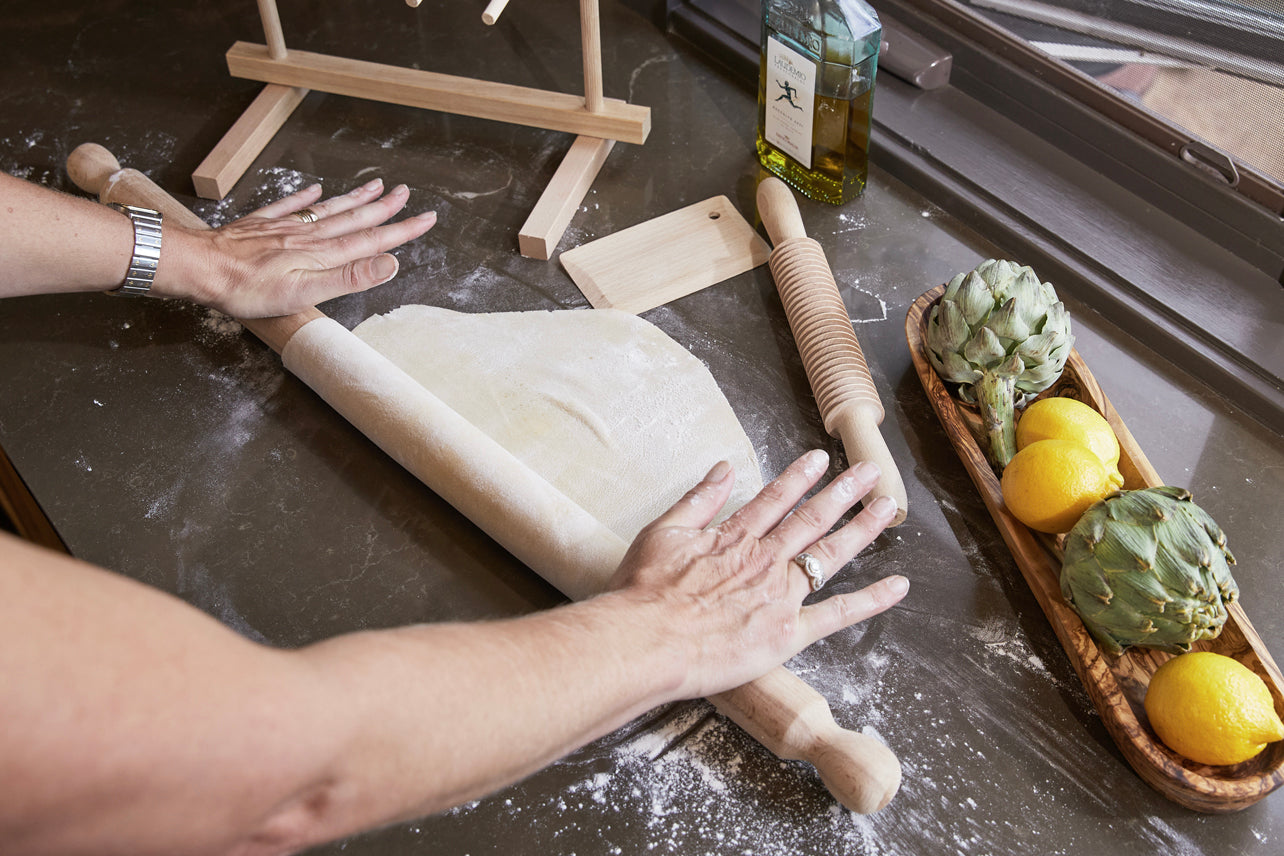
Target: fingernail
column 867, row 470
column 720, row 471
column 384, row 268
column 884, row 506
column 897, row 584
column 373, row 184
column 427, row 215
column 815, row 462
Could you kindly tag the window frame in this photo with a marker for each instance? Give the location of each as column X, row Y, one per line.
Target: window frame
column 1156, row 244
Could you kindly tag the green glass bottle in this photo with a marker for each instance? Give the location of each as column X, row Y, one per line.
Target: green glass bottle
column 816, row 94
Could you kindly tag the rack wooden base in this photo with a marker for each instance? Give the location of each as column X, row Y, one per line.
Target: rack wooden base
column 557, row 205
column 519, row 105
column 243, row 142
column 596, row 121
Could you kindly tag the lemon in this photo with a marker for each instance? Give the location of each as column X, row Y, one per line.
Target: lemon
column 1049, row 484
column 1211, row 708
column 1070, row 419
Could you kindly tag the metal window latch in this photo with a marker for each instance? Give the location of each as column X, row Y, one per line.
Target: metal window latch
column 1211, row 160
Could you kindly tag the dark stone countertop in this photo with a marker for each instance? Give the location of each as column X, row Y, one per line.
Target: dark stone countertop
column 166, row 443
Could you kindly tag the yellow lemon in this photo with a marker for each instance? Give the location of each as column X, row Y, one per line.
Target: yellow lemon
column 1070, row 419
column 1049, row 484
column 1211, row 708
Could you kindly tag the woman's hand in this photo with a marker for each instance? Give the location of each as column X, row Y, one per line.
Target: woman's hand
column 731, row 597
column 292, row 254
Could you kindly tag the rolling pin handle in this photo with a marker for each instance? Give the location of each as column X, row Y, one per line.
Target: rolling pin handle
column 91, row 167
column 859, row 771
column 791, row 719
column 779, row 211
column 96, row 170
column 857, row 427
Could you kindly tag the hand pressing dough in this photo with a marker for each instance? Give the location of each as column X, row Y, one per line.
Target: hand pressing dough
column 604, row 405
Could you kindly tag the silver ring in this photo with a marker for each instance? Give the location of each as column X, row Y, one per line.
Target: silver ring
column 307, row 215
column 811, row 567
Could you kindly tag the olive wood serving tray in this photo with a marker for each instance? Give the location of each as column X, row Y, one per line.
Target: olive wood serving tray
column 1116, row 685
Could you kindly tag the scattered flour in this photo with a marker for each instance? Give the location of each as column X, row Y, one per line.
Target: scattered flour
column 643, row 67
column 850, row 222
column 877, row 300
column 216, row 324
column 270, row 185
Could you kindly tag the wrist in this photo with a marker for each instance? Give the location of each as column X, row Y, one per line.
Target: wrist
column 179, row 272
column 657, row 654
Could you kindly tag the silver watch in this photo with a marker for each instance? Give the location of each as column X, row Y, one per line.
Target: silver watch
column 147, row 248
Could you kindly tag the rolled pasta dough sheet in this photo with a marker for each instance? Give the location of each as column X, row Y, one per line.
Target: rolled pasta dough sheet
column 603, row 404
column 531, row 518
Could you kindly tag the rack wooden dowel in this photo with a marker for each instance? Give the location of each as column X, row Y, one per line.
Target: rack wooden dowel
column 492, row 11
column 591, row 39
column 272, row 32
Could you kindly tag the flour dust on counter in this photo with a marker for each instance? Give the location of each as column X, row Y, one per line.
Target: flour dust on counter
column 682, row 780
column 15, row 150
column 1035, row 760
column 849, row 223
column 51, row 148
column 869, row 307
column 490, row 173
column 265, row 186
column 216, row 325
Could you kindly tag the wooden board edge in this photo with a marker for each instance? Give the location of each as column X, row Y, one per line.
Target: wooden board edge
column 23, row 511
column 645, row 248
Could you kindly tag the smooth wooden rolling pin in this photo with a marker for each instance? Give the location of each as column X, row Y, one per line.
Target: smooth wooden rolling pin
column 514, row 505
column 831, row 355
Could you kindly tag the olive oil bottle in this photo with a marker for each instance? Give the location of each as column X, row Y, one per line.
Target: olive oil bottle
column 816, row 94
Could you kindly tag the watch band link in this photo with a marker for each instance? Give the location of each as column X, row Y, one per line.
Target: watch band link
column 147, row 248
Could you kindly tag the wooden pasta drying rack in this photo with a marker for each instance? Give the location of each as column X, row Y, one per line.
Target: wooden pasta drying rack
column 289, row 75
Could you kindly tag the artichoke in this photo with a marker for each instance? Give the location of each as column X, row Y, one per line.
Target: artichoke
column 1148, row 567
column 1003, row 337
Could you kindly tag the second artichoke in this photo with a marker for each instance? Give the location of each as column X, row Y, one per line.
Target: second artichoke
column 1149, row 567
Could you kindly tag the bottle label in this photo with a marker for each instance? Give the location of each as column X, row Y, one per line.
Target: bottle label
column 790, row 101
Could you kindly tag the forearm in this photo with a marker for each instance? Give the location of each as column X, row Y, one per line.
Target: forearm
column 266, row 263
column 135, row 724
column 158, row 730
column 59, row 243
column 437, row 715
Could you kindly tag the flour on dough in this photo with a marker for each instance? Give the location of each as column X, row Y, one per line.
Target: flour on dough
column 604, row 405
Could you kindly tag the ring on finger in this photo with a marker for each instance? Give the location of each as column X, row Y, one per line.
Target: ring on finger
column 307, row 215
column 812, row 568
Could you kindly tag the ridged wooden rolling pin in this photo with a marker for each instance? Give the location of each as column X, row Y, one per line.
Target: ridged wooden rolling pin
column 835, row 365
column 779, row 709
